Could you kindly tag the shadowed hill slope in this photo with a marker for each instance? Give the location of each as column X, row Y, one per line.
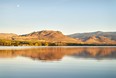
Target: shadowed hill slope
column 110, row 35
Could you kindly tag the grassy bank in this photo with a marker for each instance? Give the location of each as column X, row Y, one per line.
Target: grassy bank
column 41, row 43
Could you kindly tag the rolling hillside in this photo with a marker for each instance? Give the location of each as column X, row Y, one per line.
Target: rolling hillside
column 51, row 36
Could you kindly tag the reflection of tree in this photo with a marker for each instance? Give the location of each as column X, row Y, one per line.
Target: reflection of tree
column 58, row 53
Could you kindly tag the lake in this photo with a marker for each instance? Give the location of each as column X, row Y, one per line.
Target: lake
column 58, row 62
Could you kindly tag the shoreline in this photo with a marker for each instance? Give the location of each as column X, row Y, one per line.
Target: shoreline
column 34, row 47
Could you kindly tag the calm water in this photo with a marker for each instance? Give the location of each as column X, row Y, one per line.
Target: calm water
column 57, row 62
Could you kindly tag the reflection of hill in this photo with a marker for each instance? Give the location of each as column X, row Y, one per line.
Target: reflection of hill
column 58, row 53
column 97, row 53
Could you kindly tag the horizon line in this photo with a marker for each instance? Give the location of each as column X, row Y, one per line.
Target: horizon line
column 54, row 30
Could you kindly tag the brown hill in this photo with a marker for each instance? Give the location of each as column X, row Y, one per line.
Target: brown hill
column 51, row 36
column 110, row 35
column 92, row 40
column 99, row 40
column 7, row 36
column 57, row 36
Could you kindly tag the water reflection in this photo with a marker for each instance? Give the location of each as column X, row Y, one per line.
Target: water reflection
column 57, row 53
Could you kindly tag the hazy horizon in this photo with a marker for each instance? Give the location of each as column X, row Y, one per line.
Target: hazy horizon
column 67, row 16
column 56, row 30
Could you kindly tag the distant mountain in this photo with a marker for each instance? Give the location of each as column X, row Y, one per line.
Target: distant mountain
column 99, row 40
column 8, row 36
column 51, row 36
column 58, row 37
column 85, row 36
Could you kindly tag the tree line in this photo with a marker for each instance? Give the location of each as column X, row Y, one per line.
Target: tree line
column 29, row 43
column 39, row 43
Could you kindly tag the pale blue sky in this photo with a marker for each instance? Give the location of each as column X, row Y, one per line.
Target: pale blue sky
column 68, row 16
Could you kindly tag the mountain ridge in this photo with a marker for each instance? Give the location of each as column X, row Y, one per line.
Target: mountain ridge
column 111, row 35
column 52, row 36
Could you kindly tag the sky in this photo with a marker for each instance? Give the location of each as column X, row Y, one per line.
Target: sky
column 67, row 16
